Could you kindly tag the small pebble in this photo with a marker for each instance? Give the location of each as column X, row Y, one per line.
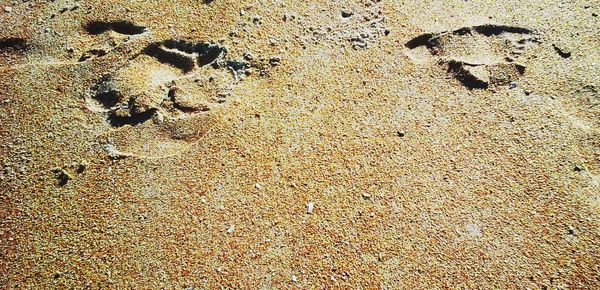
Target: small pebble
column 294, row 279
column 473, row 230
column 288, row 17
column 359, row 44
column 258, row 186
column 231, row 229
column 274, row 61
column 82, row 166
column 400, row 134
column 310, row 207
column 572, row 231
column 346, row 13
column 7, row 9
column 366, row 195
column 62, row 176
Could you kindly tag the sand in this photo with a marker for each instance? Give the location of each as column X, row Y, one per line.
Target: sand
column 299, row 144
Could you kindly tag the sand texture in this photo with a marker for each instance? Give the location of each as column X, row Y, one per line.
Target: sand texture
column 369, row 144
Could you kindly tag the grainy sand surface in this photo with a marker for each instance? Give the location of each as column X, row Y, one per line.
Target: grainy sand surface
column 299, row 144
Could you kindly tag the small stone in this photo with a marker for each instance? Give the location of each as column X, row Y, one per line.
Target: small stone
column 366, row 195
column 288, row 17
column 473, row 230
column 258, row 186
column 400, row 133
column 8, row 9
column 112, row 151
column 346, row 13
column 159, row 118
column 231, row 229
column 359, row 44
column 310, row 207
column 81, row 166
column 527, row 92
column 578, row 168
column 62, row 176
column 294, row 279
column 572, row 231
column 275, row 61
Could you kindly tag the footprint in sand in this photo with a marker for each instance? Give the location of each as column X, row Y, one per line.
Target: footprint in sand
column 478, row 56
column 107, row 36
column 11, row 47
column 164, row 97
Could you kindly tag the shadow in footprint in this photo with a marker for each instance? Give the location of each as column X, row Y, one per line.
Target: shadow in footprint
column 13, row 44
column 183, row 55
column 122, row 30
column 134, row 119
column 122, row 27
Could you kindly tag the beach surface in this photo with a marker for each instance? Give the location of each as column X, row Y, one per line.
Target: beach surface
column 299, row 144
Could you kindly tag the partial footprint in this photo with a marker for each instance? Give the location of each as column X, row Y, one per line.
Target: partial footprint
column 109, row 35
column 12, row 46
column 161, row 100
column 478, row 56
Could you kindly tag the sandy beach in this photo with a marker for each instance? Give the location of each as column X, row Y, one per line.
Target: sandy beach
column 368, row 144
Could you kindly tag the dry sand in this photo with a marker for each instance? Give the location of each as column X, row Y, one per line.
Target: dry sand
column 299, row 144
